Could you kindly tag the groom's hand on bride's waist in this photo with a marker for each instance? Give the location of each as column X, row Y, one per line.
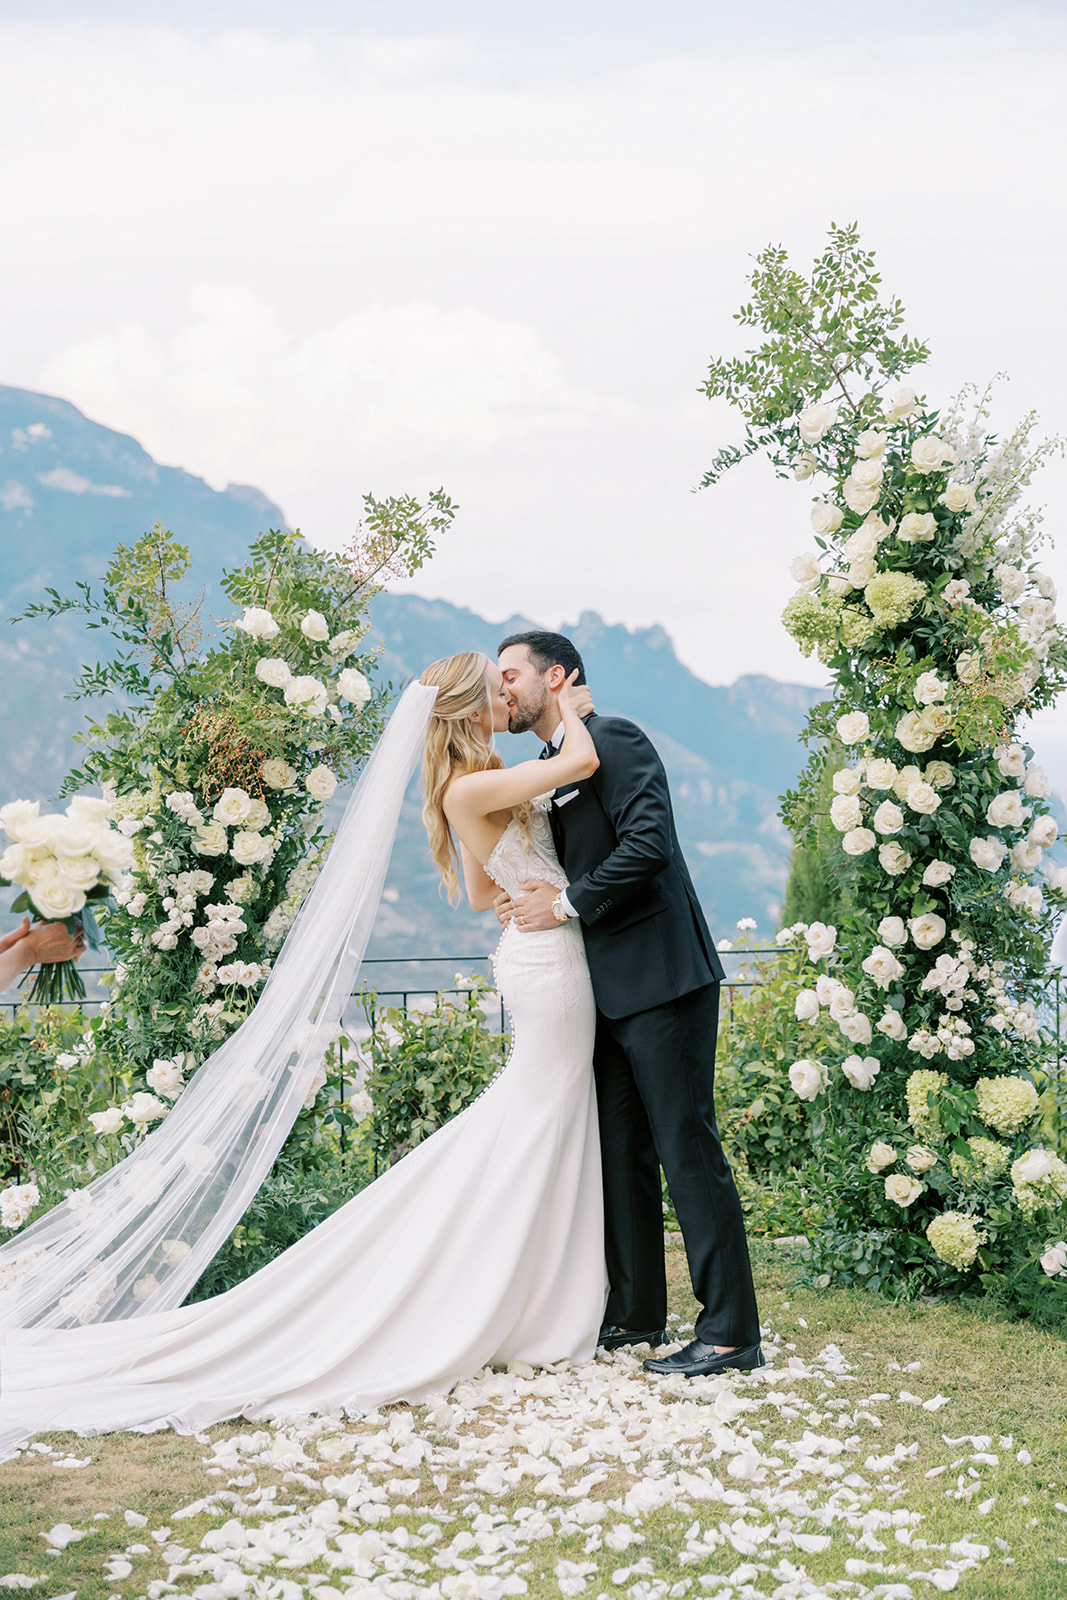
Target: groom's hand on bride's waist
column 533, row 912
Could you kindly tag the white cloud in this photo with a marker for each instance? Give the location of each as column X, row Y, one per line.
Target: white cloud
column 242, row 396
column 451, row 266
column 69, row 482
column 15, row 496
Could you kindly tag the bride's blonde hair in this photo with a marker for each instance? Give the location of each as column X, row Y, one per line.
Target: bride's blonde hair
column 452, row 748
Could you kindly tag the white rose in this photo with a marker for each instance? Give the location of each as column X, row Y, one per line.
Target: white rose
column 174, row 1251
column 880, row 1156
column 969, row 666
column 1036, row 784
column 870, row 443
column 858, row 841
column 860, row 572
column 938, row 873
column 880, row 774
column 893, row 858
column 145, row 1288
column 211, row 841
column 820, row 939
column 959, row 497
column 277, row 774
column 1011, row 581
column 1057, row 879
column 928, row 688
column 1025, row 857
column 1054, row 1260
column 806, row 1006
column 902, row 406
column 81, row 871
column 259, row 623
column 165, row 1077
column 848, row 780
column 72, row 839
column 862, row 542
column 883, row 966
column 320, row 783
column 1006, row 810
column 306, row 694
column 940, row 774
column 917, row 527
column 17, row 1202
column 842, row 1003
column 913, row 733
column 826, row 987
column 930, row 453
column 808, row 1078
column 845, row 812
column 804, row 466
column 891, row 931
column 987, row 853
column 927, row 930
column 859, row 497
column 55, row 897
column 902, row 1189
column 1044, row 831
column 273, row 672
column 955, row 590
column 888, row 818
column 826, row 518
column 1011, row 761
column 314, row 626
column 142, row 1108
column 232, row 807
column 861, row 1071
column 857, row 1028
column 892, row 1024
column 804, row 569
column 109, row 1121
column 814, row 422
column 248, row 848
column 1032, row 1167
column 853, row 727
column 921, row 1158
column 16, row 813
column 258, row 816
column 360, row 1105
column 924, row 798
column 353, row 686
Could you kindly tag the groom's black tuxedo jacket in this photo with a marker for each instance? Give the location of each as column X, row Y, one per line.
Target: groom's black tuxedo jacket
column 645, row 935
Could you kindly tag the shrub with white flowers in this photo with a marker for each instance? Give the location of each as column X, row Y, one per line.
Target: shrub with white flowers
column 216, row 768
column 924, row 598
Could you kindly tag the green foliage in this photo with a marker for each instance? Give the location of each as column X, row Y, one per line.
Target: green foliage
column 426, row 1066
column 820, row 332
column 925, row 600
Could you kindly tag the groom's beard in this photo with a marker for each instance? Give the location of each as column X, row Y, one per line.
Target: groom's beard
column 527, row 712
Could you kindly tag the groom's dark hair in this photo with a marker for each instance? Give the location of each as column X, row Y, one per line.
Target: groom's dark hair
column 548, row 650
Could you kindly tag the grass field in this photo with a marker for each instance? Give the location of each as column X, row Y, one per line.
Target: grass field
column 881, row 1456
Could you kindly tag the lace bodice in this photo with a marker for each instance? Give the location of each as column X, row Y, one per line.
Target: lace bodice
column 516, row 856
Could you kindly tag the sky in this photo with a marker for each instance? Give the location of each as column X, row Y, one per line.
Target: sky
column 327, row 248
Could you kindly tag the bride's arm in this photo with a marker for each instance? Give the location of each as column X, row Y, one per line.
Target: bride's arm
column 481, row 890
column 479, row 794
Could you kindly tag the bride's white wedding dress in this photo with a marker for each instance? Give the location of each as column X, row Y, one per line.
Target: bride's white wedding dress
column 482, row 1246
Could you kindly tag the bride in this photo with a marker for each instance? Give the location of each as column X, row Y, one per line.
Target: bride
column 482, row 1246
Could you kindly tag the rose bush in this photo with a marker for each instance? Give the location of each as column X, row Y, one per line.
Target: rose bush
column 938, row 627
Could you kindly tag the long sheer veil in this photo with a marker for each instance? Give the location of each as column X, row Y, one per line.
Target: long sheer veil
column 136, row 1239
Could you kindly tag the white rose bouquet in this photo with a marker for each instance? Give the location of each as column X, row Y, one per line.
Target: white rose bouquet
column 64, row 863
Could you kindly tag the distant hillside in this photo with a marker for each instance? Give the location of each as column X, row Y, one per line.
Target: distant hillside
column 70, row 489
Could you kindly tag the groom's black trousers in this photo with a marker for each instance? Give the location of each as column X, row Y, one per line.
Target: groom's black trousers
column 655, row 1081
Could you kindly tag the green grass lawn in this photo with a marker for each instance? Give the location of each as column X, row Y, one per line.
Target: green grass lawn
column 813, row 1482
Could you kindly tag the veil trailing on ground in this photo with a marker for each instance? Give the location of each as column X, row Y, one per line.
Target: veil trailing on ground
column 136, row 1239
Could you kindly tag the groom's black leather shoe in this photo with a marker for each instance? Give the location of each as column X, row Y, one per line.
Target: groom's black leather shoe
column 613, row 1338
column 697, row 1360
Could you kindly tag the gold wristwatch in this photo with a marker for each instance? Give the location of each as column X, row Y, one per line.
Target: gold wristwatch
column 557, row 908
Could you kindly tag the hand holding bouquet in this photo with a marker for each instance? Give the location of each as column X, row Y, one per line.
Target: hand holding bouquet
column 63, row 863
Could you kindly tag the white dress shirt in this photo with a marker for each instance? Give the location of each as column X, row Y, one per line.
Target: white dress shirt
column 554, row 745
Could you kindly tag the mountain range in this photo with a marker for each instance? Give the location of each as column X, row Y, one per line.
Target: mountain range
column 71, row 489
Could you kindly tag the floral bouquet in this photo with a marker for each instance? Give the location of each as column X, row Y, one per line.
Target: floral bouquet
column 63, row 863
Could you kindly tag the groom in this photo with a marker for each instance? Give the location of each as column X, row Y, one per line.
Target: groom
column 656, row 980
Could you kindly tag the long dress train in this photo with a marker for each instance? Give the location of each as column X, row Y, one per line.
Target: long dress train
column 483, row 1245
